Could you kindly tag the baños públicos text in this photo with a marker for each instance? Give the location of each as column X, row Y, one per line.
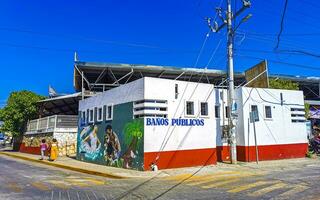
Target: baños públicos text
column 174, row 122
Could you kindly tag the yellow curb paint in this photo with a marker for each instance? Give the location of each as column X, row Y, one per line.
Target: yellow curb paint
column 210, row 176
column 60, row 184
column 219, row 184
column 177, row 177
column 40, row 186
column 95, row 181
column 85, row 180
column 296, row 189
column 248, row 186
column 219, row 178
column 268, row 189
column 108, row 175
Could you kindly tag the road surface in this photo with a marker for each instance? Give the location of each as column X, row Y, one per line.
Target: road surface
column 26, row 180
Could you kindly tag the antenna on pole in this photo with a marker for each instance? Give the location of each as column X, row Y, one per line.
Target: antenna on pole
column 227, row 21
column 76, row 57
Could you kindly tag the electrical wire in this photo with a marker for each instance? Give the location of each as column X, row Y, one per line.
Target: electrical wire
column 281, row 62
column 261, row 116
column 165, row 141
column 81, row 38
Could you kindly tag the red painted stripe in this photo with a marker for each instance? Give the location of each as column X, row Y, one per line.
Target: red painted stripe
column 31, row 150
column 181, row 158
column 272, row 152
column 266, row 152
column 223, row 153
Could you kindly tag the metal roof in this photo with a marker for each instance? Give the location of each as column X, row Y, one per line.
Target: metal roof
column 61, row 105
column 103, row 76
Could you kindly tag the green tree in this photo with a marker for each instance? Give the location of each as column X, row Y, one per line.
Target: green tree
column 133, row 133
column 283, row 84
column 307, row 110
column 21, row 107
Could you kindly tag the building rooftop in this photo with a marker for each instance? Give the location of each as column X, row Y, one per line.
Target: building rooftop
column 99, row 77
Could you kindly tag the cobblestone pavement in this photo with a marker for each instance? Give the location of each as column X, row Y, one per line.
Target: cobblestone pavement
column 25, row 180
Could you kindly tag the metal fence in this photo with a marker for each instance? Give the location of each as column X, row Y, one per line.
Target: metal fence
column 48, row 124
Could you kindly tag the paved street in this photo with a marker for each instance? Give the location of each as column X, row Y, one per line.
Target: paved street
column 26, row 180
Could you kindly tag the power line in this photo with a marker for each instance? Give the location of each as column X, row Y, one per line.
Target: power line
column 111, row 42
column 285, row 42
column 281, row 24
column 301, row 52
column 274, row 34
column 80, row 38
column 288, row 52
column 86, row 50
column 281, row 62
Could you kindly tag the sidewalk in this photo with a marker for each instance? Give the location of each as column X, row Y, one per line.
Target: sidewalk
column 120, row 173
column 80, row 166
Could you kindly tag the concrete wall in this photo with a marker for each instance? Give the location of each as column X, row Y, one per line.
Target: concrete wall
column 129, row 92
column 123, row 145
column 282, row 136
column 178, row 146
column 67, row 141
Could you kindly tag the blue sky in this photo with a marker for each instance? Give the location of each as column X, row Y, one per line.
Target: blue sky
column 38, row 38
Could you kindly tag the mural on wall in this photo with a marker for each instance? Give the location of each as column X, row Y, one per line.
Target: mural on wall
column 133, row 132
column 89, row 144
column 117, row 142
column 133, row 138
column 112, row 147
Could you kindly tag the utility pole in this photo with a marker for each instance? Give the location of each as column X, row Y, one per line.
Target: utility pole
column 231, row 98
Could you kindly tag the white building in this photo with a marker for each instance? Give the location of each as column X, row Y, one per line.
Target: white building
column 177, row 124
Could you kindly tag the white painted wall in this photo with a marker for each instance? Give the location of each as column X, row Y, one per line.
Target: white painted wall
column 129, row 92
column 278, row 130
column 220, row 99
column 180, row 137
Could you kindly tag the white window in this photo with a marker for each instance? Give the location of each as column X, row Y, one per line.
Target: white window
column 267, row 112
column 217, row 111
column 204, row 112
column 109, row 112
column 176, row 91
column 100, row 114
column 189, row 108
column 227, row 110
column 83, row 117
column 255, row 112
column 91, row 115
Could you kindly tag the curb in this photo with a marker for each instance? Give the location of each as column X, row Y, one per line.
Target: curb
column 107, row 175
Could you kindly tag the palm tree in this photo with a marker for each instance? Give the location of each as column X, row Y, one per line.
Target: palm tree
column 133, row 134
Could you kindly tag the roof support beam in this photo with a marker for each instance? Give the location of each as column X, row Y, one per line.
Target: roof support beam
column 99, row 77
column 108, row 84
column 141, row 74
column 84, row 77
column 124, row 76
column 113, row 76
column 312, row 91
column 179, row 76
column 159, row 76
column 129, row 77
column 207, row 78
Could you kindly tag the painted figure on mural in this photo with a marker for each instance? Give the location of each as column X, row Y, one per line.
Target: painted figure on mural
column 112, row 146
column 92, row 141
column 90, row 145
